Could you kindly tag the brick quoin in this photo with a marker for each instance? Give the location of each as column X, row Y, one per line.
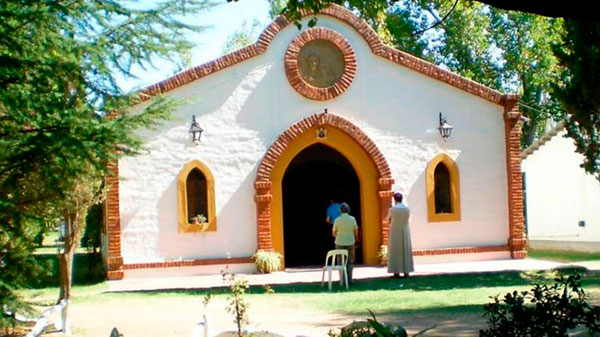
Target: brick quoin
column 114, row 259
column 262, row 185
column 512, row 128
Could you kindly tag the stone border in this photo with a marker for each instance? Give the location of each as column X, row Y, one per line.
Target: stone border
column 338, row 12
column 188, row 263
column 459, row 250
column 292, row 70
column 517, row 240
column 262, row 184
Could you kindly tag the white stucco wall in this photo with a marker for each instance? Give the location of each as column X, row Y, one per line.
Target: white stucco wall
column 560, row 194
column 244, row 108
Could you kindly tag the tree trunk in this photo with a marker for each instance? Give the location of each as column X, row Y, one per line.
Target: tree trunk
column 65, row 267
column 529, row 131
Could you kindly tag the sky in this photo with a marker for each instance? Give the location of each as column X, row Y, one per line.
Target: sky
column 221, row 21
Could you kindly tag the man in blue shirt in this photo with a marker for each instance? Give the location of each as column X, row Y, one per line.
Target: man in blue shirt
column 333, row 211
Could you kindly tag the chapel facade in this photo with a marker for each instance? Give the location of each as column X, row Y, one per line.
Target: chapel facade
column 302, row 117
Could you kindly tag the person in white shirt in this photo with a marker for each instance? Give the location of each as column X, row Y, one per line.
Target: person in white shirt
column 345, row 231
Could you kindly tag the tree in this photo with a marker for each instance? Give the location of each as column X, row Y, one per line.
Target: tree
column 59, row 61
column 276, row 7
column 244, row 36
column 580, row 94
column 578, row 10
column 247, row 34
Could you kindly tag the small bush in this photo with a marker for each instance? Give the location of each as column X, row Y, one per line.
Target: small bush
column 382, row 254
column 91, row 239
column 546, row 310
column 373, row 328
column 267, row 261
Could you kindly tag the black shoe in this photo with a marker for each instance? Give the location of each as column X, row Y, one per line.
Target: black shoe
column 395, row 276
column 406, row 275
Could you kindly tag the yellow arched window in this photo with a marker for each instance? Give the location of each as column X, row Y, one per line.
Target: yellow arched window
column 443, row 189
column 196, row 198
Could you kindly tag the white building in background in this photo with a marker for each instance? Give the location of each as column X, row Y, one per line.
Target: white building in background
column 562, row 200
column 302, row 117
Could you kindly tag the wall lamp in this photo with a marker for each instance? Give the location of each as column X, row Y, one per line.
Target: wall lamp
column 445, row 128
column 196, row 131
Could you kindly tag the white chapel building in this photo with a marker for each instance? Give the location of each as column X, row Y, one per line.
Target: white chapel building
column 303, row 117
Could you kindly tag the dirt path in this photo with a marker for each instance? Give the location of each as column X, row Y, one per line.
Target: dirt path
column 161, row 316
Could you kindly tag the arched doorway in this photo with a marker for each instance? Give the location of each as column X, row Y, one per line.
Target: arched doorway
column 316, row 175
column 346, row 138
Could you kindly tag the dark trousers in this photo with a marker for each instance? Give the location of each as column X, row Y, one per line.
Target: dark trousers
column 351, row 251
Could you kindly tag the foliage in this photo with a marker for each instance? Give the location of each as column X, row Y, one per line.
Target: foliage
column 580, row 94
column 546, row 310
column 276, row 7
column 373, row 328
column 238, row 306
column 582, row 10
column 244, row 36
column 383, row 255
column 59, row 64
column 267, row 261
column 92, row 236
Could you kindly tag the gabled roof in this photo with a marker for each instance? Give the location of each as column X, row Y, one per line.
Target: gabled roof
column 543, row 139
column 336, row 11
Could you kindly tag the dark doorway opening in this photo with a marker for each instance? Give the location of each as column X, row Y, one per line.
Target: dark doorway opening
column 316, row 175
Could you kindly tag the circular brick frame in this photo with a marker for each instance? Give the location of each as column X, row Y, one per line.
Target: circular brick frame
column 292, row 69
column 262, row 184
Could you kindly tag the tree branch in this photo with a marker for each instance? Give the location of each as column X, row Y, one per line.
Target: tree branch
column 439, row 22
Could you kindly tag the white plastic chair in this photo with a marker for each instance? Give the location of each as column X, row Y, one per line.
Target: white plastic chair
column 331, row 264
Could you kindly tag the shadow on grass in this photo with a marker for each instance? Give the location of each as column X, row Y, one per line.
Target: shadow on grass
column 433, row 311
column 87, row 270
column 415, row 283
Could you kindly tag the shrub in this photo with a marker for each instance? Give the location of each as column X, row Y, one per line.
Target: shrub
column 382, row 254
column 267, row 261
column 546, row 310
column 91, row 239
column 373, row 328
column 238, row 306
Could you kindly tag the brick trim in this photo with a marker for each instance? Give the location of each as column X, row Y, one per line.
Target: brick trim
column 459, row 250
column 262, row 184
column 292, row 69
column 512, row 131
column 114, row 258
column 338, row 12
column 188, row 263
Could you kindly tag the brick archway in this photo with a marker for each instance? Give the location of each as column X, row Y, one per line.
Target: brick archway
column 264, row 178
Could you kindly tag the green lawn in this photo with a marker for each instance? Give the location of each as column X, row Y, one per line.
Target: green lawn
column 453, row 293
column 563, row 256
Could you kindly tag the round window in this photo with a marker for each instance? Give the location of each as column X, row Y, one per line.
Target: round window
column 320, row 64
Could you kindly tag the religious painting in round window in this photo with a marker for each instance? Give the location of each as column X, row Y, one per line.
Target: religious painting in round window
column 320, row 64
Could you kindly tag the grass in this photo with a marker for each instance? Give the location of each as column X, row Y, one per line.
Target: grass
column 563, row 256
column 448, row 293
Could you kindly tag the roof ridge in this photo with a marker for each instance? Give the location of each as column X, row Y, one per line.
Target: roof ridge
column 543, row 139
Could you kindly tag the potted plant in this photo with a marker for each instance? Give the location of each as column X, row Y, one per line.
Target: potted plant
column 267, row 260
column 200, row 222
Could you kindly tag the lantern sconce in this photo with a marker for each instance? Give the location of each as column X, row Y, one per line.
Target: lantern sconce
column 195, row 130
column 445, row 128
